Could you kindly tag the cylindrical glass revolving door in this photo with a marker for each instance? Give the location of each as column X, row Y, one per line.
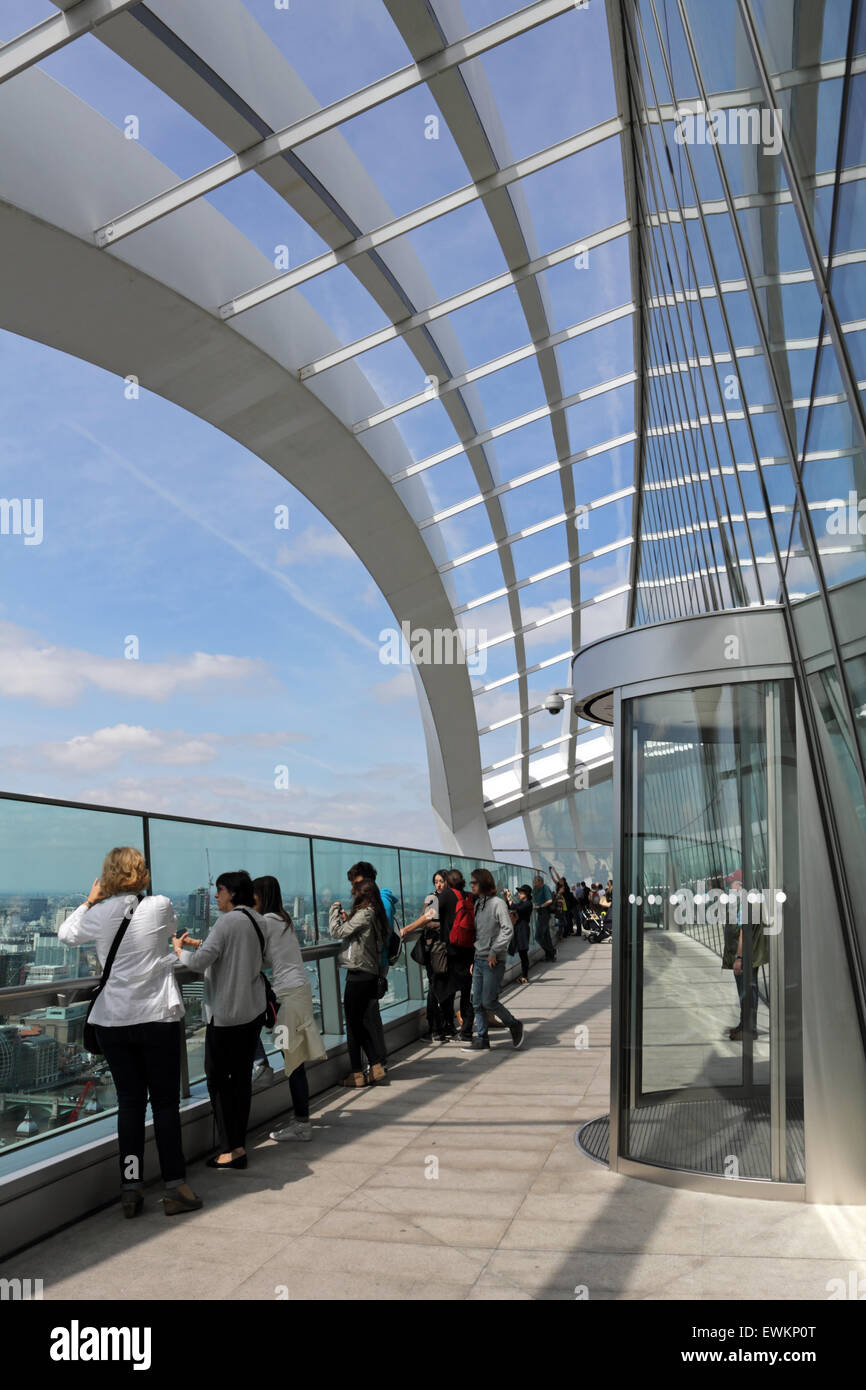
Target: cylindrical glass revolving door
column 711, row 1010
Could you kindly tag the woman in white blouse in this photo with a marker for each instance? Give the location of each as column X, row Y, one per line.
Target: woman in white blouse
column 138, row 1019
column 296, row 1030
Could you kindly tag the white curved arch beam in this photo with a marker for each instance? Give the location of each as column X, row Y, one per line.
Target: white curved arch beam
column 150, row 310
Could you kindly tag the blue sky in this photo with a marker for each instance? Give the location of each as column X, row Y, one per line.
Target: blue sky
column 259, row 647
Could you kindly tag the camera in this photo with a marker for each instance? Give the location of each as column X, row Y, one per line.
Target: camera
column 554, row 703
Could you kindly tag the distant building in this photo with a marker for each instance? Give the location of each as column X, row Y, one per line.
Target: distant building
column 15, row 959
column 198, row 913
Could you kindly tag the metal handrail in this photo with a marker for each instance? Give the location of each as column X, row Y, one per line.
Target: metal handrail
column 63, row 992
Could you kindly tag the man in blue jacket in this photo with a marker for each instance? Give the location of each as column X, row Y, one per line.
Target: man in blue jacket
column 373, row 1016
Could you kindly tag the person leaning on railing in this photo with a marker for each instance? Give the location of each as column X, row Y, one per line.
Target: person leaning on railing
column 139, row 1020
column 299, row 1038
column 364, row 931
column 231, row 960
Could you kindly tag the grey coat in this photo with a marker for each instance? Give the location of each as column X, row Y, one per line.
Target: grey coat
column 363, row 939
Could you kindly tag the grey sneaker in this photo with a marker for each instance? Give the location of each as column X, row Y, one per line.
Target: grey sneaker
column 299, row 1130
column 263, row 1076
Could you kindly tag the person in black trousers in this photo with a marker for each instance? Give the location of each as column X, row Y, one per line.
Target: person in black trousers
column 231, row 959
column 364, row 932
column 138, row 1018
column 521, row 915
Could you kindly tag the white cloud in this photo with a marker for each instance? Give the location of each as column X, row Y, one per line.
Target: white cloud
column 54, row 675
column 133, row 743
column 314, row 545
column 398, row 687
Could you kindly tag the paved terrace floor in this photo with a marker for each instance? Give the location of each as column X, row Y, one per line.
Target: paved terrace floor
column 516, row 1211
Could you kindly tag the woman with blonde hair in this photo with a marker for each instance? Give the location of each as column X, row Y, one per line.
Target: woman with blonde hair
column 138, row 1016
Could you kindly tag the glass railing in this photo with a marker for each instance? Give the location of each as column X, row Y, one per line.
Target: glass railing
column 50, row 853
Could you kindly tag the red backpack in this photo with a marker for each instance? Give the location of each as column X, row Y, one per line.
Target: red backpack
column 463, row 930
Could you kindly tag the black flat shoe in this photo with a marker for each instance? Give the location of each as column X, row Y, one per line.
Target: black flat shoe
column 232, row 1163
column 174, row 1203
column 132, row 1203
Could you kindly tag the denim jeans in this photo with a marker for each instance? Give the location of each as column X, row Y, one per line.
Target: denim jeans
column 486, row 984
column 741, row 991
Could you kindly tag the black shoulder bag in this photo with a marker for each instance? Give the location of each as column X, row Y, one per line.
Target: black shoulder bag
column 272, row 1003
column 90, row 1039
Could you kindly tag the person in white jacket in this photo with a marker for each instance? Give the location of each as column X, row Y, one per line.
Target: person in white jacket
column 296, row 1030
column 138, row 1018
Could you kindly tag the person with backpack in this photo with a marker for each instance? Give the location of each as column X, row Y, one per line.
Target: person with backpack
column 365, row 870
column 461, row 950
column 493, row 932
column 235, row 1007
column 364, row 930
column 299, row 1035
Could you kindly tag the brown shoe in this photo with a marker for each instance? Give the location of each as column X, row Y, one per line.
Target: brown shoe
column 355, row 1079
column 378, row 1075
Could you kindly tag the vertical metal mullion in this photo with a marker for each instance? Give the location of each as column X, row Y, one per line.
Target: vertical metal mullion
column 807, row 231
column 775, row 811
column 784, row 425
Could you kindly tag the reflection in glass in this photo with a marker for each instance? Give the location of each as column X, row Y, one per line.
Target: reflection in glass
column 713, row 1062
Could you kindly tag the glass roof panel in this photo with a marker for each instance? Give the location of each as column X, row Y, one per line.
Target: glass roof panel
column 393, row 142
column 593, row 358
column 603, row 473
column 540, row 552
column 349, row 310
column 132, row 103
column 604, row 573
column 494, row 619
column 426, row 430
column 579, row 293
column 489, row 327
column 461, row 535
column 601, row 618
column 578, row 88
column 500, row 745
column 491, row 663
column 362, row 45
column 458, row 251
column 548, row 641
column 521, row 451
column 268, row 221
column 496, row 706
column 437, row 488
column 548, row 596
column 392, row 370
column 576, row 197
column 474, row 580
column 601, row 418
column 535, row 502
column 511, row 392
column 17, row 16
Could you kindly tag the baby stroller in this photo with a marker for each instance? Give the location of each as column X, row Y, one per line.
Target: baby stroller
column 595, row 925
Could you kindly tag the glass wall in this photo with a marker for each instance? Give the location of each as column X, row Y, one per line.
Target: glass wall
column 713, row 1048
column 49, row 857
column 749, row 176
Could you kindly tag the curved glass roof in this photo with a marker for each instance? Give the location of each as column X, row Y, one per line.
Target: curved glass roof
column 478, row 275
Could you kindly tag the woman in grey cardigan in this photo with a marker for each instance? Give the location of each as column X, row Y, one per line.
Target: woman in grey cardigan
column 364, row 931
column 234, row 1006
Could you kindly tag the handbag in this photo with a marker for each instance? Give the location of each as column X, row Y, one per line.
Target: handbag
column 90, row 1040
column 272, row 1003
column 439, row 958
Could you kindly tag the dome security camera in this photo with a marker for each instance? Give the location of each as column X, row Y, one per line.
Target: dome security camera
column 554, row 703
